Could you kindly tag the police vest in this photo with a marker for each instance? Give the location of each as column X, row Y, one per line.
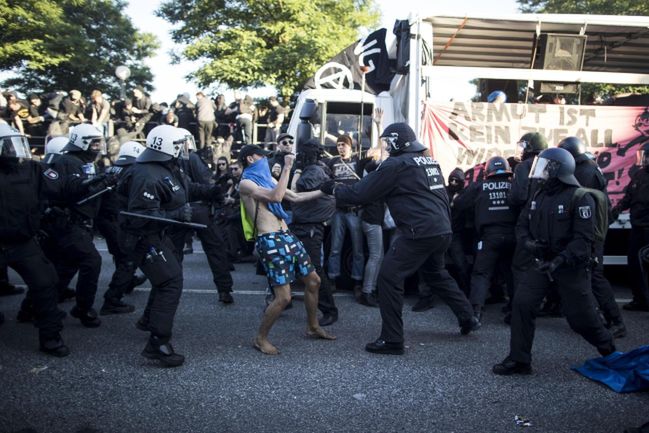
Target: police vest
column 492, row 204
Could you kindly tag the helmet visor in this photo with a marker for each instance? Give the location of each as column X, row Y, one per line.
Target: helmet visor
column 540, row 169
column 15, row 146
column 189, row 146
column 97, row 145
column 181, row 148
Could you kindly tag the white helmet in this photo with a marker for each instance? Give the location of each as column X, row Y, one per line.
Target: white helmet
column 86, row 137
column 13, row 144
column 163, row 143
column 128, row 152
column 55, row 145
column 190, row 142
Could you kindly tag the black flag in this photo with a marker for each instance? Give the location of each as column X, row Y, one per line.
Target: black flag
column 344, row 70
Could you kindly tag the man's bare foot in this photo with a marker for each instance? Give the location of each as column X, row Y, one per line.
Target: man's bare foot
column 265, row 347
column 319, row 333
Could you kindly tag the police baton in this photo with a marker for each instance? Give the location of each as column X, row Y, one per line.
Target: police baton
column 163, row 220
column 97, row 194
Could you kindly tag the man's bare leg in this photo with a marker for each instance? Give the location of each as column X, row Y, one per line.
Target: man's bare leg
column 282, row 298
column 311, row 287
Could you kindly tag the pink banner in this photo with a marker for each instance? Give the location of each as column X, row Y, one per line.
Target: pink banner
column 466, row 134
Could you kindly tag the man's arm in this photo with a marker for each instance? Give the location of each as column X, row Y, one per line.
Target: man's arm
column 298, row 197
column 370, row 188
column 248, row 187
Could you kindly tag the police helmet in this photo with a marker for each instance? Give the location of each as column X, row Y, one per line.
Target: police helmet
column 497, row 165
column 555, row 163
column 532, row 143
column 55, row 145
column 573, row 145
column 401, row 138
column 163, row 143
column 642, row 156
column 128, row 152
column 13, row 145
column 85, row 137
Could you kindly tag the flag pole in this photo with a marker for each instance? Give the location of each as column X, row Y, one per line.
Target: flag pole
column 364, row 70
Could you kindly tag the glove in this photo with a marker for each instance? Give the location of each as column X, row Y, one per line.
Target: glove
column 550, row 266
column 328, row 187
column 100, row 183
column 535, row 247
column 183, row 213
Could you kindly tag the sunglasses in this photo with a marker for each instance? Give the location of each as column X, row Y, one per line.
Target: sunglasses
column 286, row 142
column 222, row 164
column 234, row 169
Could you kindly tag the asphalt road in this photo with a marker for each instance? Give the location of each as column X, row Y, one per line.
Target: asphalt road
column 442, row 384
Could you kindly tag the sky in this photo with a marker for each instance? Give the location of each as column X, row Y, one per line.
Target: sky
column 169, row 80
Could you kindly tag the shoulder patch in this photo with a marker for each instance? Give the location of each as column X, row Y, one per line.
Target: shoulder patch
column 585, row 212
column 51, row 174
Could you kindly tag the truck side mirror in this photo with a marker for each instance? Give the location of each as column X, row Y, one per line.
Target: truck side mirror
column 304, row 129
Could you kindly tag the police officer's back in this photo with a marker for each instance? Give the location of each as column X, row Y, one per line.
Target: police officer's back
column 412, row 185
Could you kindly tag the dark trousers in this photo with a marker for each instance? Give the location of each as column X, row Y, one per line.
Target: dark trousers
column 578, row 305
column 522, row 262
column 602, row 289
column 215, row 249
column 312, row 237
column 205, row 129
column 404, row 257
column 495, row 252
column 123, row 258
column 460, row 267
column 28, row 260
column 75, row 251
column 163, row 269
column 639, row 238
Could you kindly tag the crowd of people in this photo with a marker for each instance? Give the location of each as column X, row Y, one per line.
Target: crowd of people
column 213, row 121
column 535, row 235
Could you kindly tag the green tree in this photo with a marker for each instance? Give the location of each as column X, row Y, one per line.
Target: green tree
column 77, row 43
column 250, row 43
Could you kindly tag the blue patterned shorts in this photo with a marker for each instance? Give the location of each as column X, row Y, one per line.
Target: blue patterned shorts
column 283, row 257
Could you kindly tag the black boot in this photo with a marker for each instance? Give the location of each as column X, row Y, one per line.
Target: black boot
column 226, row 297
column 509, row 367
column 115, row 307
column 470, row 326
column 135, row 281
column 162, row 350
column 54, row 346
column 67, row 294
column 88, row 317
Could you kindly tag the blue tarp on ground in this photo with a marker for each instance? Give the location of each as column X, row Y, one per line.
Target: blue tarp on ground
column 622, row 372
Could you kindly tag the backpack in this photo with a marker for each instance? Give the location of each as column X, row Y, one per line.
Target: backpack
column 600, row 212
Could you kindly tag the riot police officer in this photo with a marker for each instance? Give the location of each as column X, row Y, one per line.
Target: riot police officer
column 211, row 238
column 23, row 183
column 412, row 185
column 589, row 175
column 74, row 238
column 123, row 279
column 156, row 187
column 559, row 231
column 636, row 199
column 494, row 221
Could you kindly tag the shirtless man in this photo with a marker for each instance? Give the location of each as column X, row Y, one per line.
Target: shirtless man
column 282, row 254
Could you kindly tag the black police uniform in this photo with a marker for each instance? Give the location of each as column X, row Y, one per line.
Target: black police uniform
column 566, row 230
column 23, row 186
column 589, row 175
column 494, row 221
column 73, row 238
column 636, row 199
column 308, row 225
column 158, row 189
column 211, row 238
column 108, row 224
column 412, row 185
